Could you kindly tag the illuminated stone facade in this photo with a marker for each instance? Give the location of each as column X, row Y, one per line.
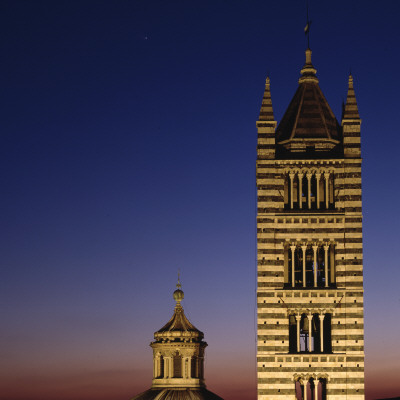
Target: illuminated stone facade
column 310, row 342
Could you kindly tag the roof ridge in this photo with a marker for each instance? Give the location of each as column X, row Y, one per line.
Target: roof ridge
column 322, row 115
column 292, row 133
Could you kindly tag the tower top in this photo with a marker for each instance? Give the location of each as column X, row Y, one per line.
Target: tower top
column 308, row 125
column 308, row 72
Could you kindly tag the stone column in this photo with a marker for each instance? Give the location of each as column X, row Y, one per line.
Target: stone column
column 167, row 367
column 309, row 175
column 332, row 264
column 304, row 248
column 326, row 175
column 298, row 319
column 189, row 372
column 316, row 381
column 326, row 248
column 291, row 176
column 293, row 248
column 309, row 317
column 300, row 175
column 321, row 330
column 183, row 367
column 170, row 367
column 315, row 248
column 317, row 177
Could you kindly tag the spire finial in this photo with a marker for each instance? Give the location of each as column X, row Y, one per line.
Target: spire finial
column 308, row 72
column 178, row 294
column 350, row 81
column 351, row 109
column 307, row 28
column 178, row 285
column 266, row 112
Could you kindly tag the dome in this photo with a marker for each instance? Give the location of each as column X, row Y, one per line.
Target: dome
column 178, row 360
column 177, row 394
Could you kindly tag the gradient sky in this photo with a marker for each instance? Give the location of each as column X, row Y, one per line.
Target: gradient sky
column 128, row 146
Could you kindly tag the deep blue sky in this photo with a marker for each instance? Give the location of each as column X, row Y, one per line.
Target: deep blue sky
column 128, row 147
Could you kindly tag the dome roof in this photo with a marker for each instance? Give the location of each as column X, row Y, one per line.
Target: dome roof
column 179, row 323
column 177, row 394
column 178, row 360
column 178, row 326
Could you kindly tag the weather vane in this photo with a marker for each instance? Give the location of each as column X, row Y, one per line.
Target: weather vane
column 307, row 28
column 178, row 285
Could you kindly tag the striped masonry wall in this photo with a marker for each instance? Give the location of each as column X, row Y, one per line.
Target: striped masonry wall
column 279, row 227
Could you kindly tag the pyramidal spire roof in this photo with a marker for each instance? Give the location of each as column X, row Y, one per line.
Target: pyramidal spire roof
column 179, row 325
column 351, row 108
column 266, row 112
column 308, row 115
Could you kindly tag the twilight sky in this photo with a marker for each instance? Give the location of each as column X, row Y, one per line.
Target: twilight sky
column 128, row 146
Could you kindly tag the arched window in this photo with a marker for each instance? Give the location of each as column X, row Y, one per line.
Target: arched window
column 316, row 328
column 321, row 267
column 194, row 369
column 331, row 190
column 322, row 193
column 297, row 263
column 177, row 365
column 331, row 265
column 305, row 336
column 313, row 337
column 322, row 393
column 328, row 333
column 287, row 191
column 298, row 387
column 309, row 267
column 298, row 267
column 201, row 367
column 292, row 334
column 313, row 191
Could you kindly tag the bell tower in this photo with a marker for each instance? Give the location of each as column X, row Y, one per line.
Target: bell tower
column 310, row 323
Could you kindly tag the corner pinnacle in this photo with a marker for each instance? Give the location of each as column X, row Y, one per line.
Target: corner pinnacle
column 351, row 109
column 266, row 112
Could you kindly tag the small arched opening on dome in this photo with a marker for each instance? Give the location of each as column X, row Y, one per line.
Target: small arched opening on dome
column 194, row 367
column 177, row 365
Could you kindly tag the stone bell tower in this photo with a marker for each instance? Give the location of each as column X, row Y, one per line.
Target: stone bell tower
column 310, row 342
